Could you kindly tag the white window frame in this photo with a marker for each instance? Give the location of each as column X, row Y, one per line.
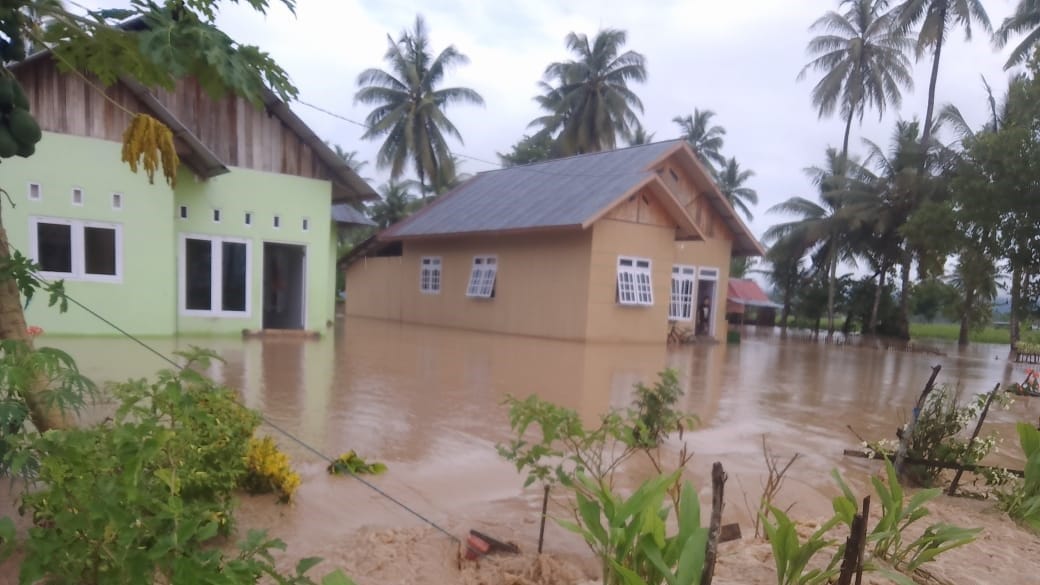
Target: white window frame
column 430, row 275
column 680, row 304
column 117, row 201
column 711, row 274
column 216, row 280
column 35, row 192
column 78, row 249
column 483, row 277
column 78, row 191
column 635, row 286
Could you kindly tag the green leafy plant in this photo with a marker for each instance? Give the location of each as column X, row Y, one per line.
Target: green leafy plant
column 1022, row 500
column 890, row 544
column 792, row 556
column 138, row 498
column 629, row 535
column 655, row 413
column 351, row 463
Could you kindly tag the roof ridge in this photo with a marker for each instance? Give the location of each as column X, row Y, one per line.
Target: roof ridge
column 582, row 155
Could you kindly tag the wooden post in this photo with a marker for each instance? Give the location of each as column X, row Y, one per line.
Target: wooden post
column 974, row 435
column 852, row 561
column 862, row 540
column 541, row 529
column 908, row 432
column 718, row 484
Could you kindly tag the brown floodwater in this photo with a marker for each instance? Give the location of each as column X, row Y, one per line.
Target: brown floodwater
column 427, row 401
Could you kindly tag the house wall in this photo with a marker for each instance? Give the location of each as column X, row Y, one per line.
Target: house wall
column 142, row 302
column 264, row 195
column 638, row 228
column 540, row 288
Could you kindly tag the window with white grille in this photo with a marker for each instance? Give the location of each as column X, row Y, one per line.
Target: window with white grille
column 680, row 306
column 634, row 286
column 482, row 277
column 430, row 275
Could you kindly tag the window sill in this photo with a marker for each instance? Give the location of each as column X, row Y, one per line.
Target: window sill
column 217, row 314
column 70, row 277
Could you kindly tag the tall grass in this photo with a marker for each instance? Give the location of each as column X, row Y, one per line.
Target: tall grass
column 951, row 331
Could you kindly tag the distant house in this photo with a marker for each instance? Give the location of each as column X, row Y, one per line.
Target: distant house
column 246, row 240
column 609, row 247
column 747, row 303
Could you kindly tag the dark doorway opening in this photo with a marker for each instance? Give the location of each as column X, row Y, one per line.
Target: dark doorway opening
column 285, row 286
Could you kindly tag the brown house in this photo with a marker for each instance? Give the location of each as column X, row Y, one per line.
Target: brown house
column 607, row 247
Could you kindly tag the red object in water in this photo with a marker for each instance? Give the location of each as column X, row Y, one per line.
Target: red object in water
column 476, row 547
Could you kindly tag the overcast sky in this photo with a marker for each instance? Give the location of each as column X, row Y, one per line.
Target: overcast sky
column 739, row 58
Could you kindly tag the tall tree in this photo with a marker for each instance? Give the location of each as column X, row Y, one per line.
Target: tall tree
column 936, row 18
column 863, row 59
column 395, row 205
column 705, row 138
column 409, row 106
column 529, row 149
column 591, row 105
column 1026, row 18
column 639, row 136
column 731, row 179
column 975, row 280
column 95, row 44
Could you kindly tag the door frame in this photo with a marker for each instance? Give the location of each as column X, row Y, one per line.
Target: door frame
column 304, row 304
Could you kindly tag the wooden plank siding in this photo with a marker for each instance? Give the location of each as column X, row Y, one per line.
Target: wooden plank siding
column 232, row 128
column 67, row 104
column 240, row 134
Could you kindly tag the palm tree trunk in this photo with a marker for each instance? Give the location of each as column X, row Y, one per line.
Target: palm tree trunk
column 882, row 274
column 845, row 143
column 12, row 326
column 926, row 133
column 832, row 279
column 1016, row 303
column 903, row 327
column 966, row 310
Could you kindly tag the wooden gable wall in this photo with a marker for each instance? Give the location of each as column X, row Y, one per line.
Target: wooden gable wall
column 67, row 104
column 237, row 133
column 642, row 208
column 696, row 203
column 240, row 134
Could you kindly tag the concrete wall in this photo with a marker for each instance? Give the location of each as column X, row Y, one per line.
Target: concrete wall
column 540, row 288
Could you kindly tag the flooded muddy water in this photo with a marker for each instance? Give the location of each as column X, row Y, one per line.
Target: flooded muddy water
column 427, row 401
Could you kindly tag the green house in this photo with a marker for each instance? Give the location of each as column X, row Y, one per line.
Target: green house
column 245, row 241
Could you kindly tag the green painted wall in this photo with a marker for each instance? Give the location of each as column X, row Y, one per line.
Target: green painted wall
column 264, row 195
column 147, row 300
column 143, row 301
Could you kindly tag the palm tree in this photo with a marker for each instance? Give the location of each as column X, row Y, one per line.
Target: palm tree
column 825, row 229
column 731, row 181
column 936, row 17
column 975, row 279
column 787, row 274
column 639, row 136
column 705, row 139
column 409, row 110
column 351, row 157
column 1025, row 18
column 591, row 105
column 863, row 61
column 396, row 203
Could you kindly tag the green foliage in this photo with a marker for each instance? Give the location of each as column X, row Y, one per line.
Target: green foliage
column 351, row 463
column 1022, row 500
column 629, row 535
column 936, row 435
column 655, row 409
column 141, row 494
column 1027, row 347
column 890, row 544
column 564, row 446
column 931, row 297
column 529, row 150
column 25, row 274
column 792, row 556
column 178, row 39
column 951, row 331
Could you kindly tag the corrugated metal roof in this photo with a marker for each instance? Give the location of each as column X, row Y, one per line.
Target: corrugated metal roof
column 556, row 193
column 745, row 291
column 344, row 213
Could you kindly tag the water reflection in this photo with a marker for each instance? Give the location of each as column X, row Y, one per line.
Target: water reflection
column 428, row 401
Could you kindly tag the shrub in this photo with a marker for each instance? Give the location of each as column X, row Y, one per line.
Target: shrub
column 351, row 463
column 268, row 470
column 1022, row 500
